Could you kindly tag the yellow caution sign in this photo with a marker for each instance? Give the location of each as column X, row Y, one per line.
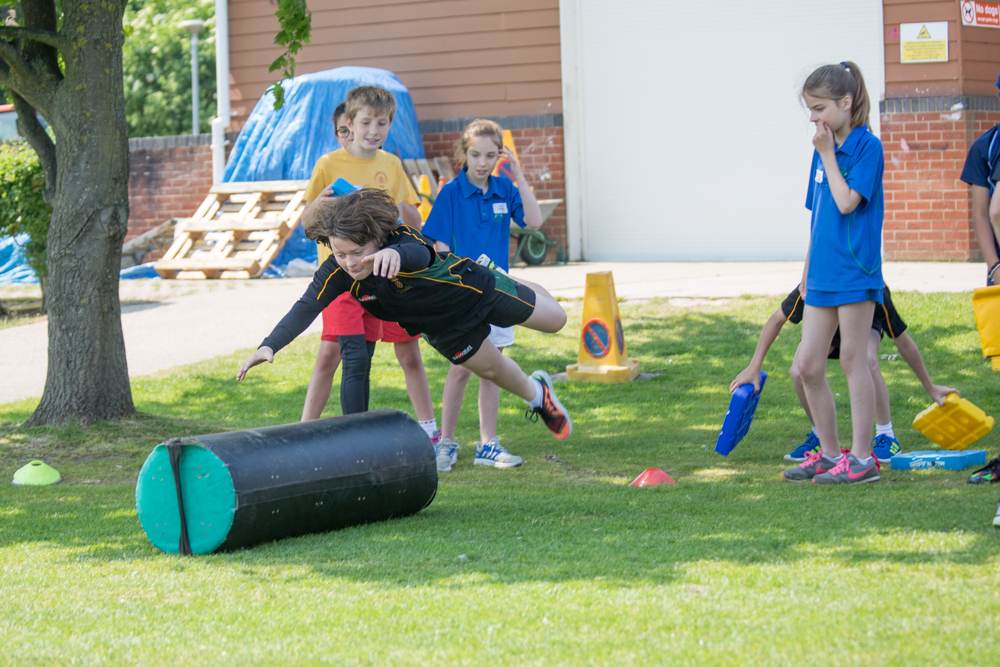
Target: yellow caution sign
column 603, row 356
column 986, row 305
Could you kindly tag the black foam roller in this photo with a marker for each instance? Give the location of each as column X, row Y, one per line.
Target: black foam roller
column 243, row 488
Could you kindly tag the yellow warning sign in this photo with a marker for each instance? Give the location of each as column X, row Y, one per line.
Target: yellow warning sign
column 923, row 42
column 603, row 356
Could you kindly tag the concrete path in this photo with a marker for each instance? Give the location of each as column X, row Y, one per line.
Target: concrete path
column 172, row 323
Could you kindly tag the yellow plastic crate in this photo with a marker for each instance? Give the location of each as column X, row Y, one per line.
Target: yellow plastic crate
column 986, row 304
column 954, row 425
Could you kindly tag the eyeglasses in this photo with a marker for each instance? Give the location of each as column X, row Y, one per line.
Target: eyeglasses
column 343, row 132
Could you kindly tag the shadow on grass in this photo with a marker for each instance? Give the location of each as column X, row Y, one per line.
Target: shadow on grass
column 557, row 534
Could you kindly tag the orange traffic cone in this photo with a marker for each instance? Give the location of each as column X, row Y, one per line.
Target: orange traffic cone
column 652, row 477
column 441, row 182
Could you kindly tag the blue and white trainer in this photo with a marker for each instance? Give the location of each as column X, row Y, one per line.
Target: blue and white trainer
column 446, row 453
column 810, row 446
column 494, row 454
column 884, row 447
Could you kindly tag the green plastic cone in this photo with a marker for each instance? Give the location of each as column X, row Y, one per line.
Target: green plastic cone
column 36, row 473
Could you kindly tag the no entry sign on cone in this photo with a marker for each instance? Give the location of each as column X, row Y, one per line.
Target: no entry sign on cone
column 603, row 356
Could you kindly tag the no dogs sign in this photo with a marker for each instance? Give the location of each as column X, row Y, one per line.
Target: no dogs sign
column 982, row 14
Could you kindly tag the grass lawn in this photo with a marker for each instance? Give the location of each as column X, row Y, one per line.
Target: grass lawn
column 565, row 564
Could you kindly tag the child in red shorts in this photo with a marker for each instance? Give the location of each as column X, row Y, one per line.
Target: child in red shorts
column 348, row 331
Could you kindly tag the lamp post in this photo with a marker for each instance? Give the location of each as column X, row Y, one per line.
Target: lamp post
column 194, row 27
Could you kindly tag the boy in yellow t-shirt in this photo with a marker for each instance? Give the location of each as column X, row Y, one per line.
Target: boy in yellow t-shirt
column 348, row 331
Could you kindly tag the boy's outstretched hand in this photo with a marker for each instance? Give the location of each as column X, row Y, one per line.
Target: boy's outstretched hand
column 259, row 356
column 748, row 375
column 385, row 263
column 940, row 392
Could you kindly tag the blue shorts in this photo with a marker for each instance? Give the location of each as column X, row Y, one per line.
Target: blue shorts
column 822, row 299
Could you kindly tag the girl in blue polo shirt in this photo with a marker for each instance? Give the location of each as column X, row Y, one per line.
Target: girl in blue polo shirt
column 842, row 279
column 472, row 217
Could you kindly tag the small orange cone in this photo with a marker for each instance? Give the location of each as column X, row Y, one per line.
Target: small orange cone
column 652, row 477
column 441, row 183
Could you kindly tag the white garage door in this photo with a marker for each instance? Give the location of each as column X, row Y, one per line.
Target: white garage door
column 685, row 136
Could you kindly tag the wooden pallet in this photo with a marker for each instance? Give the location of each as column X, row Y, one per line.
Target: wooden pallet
column 236, row 232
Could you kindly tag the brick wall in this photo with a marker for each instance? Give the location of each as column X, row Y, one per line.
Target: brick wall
column 169, row 178
column 928, row 212
column 539, row 144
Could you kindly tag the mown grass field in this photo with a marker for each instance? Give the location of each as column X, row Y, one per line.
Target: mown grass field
column 565, row 564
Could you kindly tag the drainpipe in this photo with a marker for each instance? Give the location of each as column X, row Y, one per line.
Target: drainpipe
column 223, row 116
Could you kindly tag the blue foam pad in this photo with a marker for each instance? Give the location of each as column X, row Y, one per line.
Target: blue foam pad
column 742, row 407
column 341, row 187
column 945, row 459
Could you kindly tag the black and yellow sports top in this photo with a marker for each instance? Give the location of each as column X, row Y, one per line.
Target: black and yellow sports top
column 434, row 292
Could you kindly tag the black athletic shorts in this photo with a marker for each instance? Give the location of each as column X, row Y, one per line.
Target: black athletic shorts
column 885, row 320
column 793, row 306
column 508, row 304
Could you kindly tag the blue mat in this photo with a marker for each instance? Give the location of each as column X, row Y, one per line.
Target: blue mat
column 742, row 407
column 944, row 459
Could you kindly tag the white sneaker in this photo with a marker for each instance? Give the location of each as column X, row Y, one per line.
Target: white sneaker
column 446, row 452
column 494, row 454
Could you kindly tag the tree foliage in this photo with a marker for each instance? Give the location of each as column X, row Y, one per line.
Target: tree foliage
column 157, row 67
column 22, row 204
column 295, row 23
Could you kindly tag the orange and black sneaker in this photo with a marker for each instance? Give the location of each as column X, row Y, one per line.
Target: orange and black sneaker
column 551, row 410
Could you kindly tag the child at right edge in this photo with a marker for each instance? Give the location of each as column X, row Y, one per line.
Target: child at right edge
column 842, row 278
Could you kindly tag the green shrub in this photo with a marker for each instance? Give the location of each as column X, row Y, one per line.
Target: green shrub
column 22, row 208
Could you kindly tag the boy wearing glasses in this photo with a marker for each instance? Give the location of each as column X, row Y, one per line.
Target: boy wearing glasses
column 362, row 124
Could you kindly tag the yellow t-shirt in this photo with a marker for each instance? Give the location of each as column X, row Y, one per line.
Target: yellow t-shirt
column 383, row 171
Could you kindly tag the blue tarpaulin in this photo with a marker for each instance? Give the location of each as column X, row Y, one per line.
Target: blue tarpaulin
column 14, row 269
column 285, row 144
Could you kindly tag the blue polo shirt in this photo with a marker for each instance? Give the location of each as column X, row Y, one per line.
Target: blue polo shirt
column 846, row 251
column 472, row 223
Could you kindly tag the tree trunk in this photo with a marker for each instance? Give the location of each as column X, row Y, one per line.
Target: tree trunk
column 87, row 375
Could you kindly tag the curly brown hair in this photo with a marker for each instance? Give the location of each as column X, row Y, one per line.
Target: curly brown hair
column 361, row 217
